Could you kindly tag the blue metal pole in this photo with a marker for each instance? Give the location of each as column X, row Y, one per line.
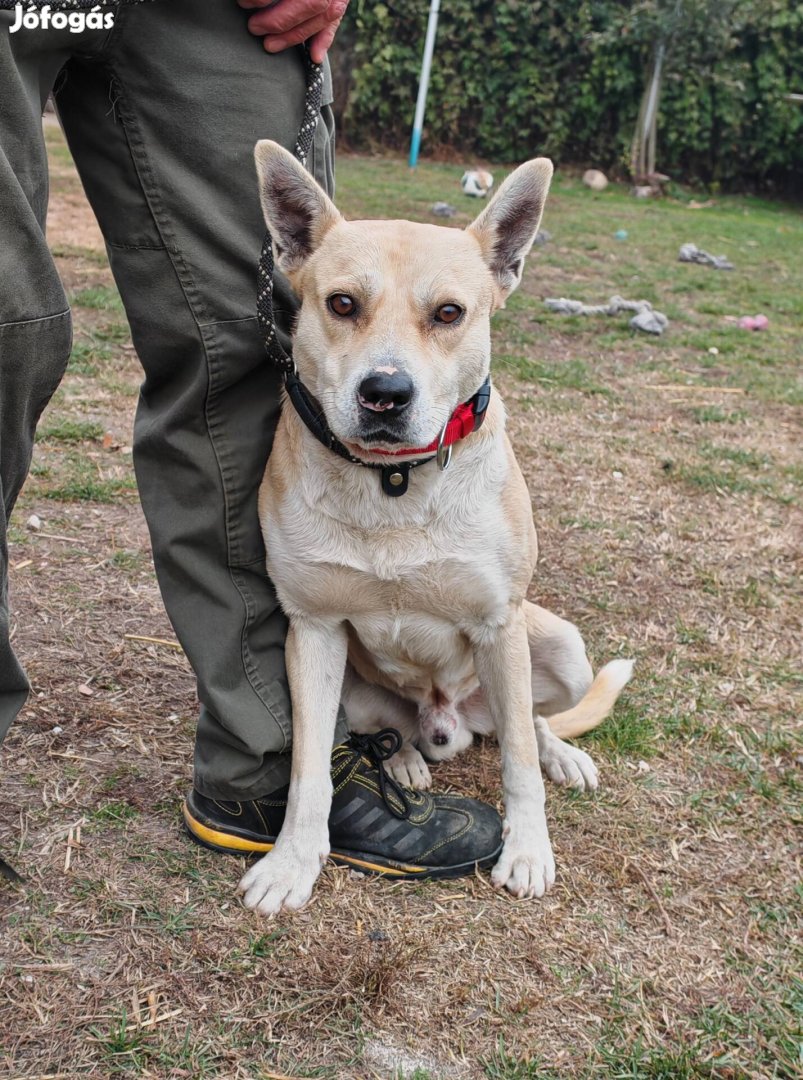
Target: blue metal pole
column 423, row 85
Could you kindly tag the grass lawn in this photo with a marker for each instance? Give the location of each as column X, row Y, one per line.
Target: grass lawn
column 665, row 475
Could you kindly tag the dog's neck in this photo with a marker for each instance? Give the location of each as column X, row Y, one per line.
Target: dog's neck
column 352, row 493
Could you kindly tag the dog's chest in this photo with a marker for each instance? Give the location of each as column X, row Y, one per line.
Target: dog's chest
column 346, row 569
column 410, row 597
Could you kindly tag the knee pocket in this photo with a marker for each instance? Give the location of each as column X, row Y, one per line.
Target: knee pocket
column 34, row 354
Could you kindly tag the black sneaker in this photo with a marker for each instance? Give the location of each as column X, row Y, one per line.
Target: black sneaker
column 375, row 825
column 9, row 873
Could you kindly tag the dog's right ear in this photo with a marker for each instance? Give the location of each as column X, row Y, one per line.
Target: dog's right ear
column 297, row 210
column 507, row 227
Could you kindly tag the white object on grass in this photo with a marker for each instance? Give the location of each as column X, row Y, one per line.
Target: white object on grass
column 476, row 182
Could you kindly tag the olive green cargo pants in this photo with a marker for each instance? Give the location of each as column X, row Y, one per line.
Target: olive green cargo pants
column 161, row 114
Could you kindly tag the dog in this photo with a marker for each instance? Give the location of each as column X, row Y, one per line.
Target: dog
column 422, row 595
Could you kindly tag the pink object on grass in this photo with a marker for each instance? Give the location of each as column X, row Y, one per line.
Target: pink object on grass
column 754, row 322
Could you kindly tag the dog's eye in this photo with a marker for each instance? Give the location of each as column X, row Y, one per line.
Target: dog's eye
column 448, row 313
column 342, row 305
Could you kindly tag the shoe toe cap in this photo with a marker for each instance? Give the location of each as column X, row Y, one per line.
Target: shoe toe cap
column 472, row 830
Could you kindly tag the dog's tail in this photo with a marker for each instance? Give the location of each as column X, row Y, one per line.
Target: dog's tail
column 592, row 709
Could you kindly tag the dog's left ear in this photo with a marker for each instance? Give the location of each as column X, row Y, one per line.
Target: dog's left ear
column 298, row 212
column 508, row 225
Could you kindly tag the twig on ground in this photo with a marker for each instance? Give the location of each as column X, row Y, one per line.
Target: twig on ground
column 153, row 1019
column 655, row 897
column 73, row 842
column 55, row 536
column 152, row 640
column 44, row 967
column 54, row 1076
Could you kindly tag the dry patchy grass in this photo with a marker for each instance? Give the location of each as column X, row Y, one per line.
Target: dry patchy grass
column 668, row 531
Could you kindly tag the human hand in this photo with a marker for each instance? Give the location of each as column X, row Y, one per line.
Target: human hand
column 283, row 23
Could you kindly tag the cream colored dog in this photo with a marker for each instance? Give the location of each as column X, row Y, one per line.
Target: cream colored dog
column 420, row 599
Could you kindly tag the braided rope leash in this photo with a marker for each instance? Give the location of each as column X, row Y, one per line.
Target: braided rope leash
column 306, row 133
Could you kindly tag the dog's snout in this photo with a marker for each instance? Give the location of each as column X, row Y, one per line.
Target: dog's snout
column 383, row 392
column 440, row 738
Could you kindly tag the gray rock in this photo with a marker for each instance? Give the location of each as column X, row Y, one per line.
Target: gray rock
column 690, row 253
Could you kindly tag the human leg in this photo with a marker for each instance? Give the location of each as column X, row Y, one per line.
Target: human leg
column 162, row 125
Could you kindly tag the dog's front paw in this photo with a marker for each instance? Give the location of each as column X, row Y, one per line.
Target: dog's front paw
column 568, row 766
column 408, row 768
column 525, row 869
column 282, row 879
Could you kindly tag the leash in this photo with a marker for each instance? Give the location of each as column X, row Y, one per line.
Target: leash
column 312, row 108
column 395, row 477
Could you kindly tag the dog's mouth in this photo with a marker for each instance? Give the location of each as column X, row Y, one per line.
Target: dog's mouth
column 372, row 436
column 380, row 439
column 386, row 446
column 374, row 432
column 381, row 435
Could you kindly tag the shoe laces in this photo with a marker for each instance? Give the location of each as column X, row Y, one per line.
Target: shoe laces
column 379, row 748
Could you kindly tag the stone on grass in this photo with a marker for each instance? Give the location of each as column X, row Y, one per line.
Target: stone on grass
column 594, row 179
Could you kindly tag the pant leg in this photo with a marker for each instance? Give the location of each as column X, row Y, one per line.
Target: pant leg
column 35, row 328
column 162, row 126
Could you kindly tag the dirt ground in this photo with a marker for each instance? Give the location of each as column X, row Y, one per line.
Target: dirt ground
column 663, row 477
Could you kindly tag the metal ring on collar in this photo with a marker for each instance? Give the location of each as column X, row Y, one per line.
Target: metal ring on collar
column 444, row 455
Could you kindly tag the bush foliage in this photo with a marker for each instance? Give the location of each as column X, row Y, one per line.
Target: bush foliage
column 514, row 78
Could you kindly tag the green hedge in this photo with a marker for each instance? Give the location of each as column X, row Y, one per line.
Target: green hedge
column 514, row 78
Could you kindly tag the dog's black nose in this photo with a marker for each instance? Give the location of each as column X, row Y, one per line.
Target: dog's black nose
column 440, row 739
column 385, row 393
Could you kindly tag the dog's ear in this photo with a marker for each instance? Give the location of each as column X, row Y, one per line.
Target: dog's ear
column 297, row 211
column 508, row 225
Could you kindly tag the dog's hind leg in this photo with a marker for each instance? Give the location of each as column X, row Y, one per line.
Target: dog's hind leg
column 369, row 708
column 563, row 763
column 561, row 675
column 561, row 671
